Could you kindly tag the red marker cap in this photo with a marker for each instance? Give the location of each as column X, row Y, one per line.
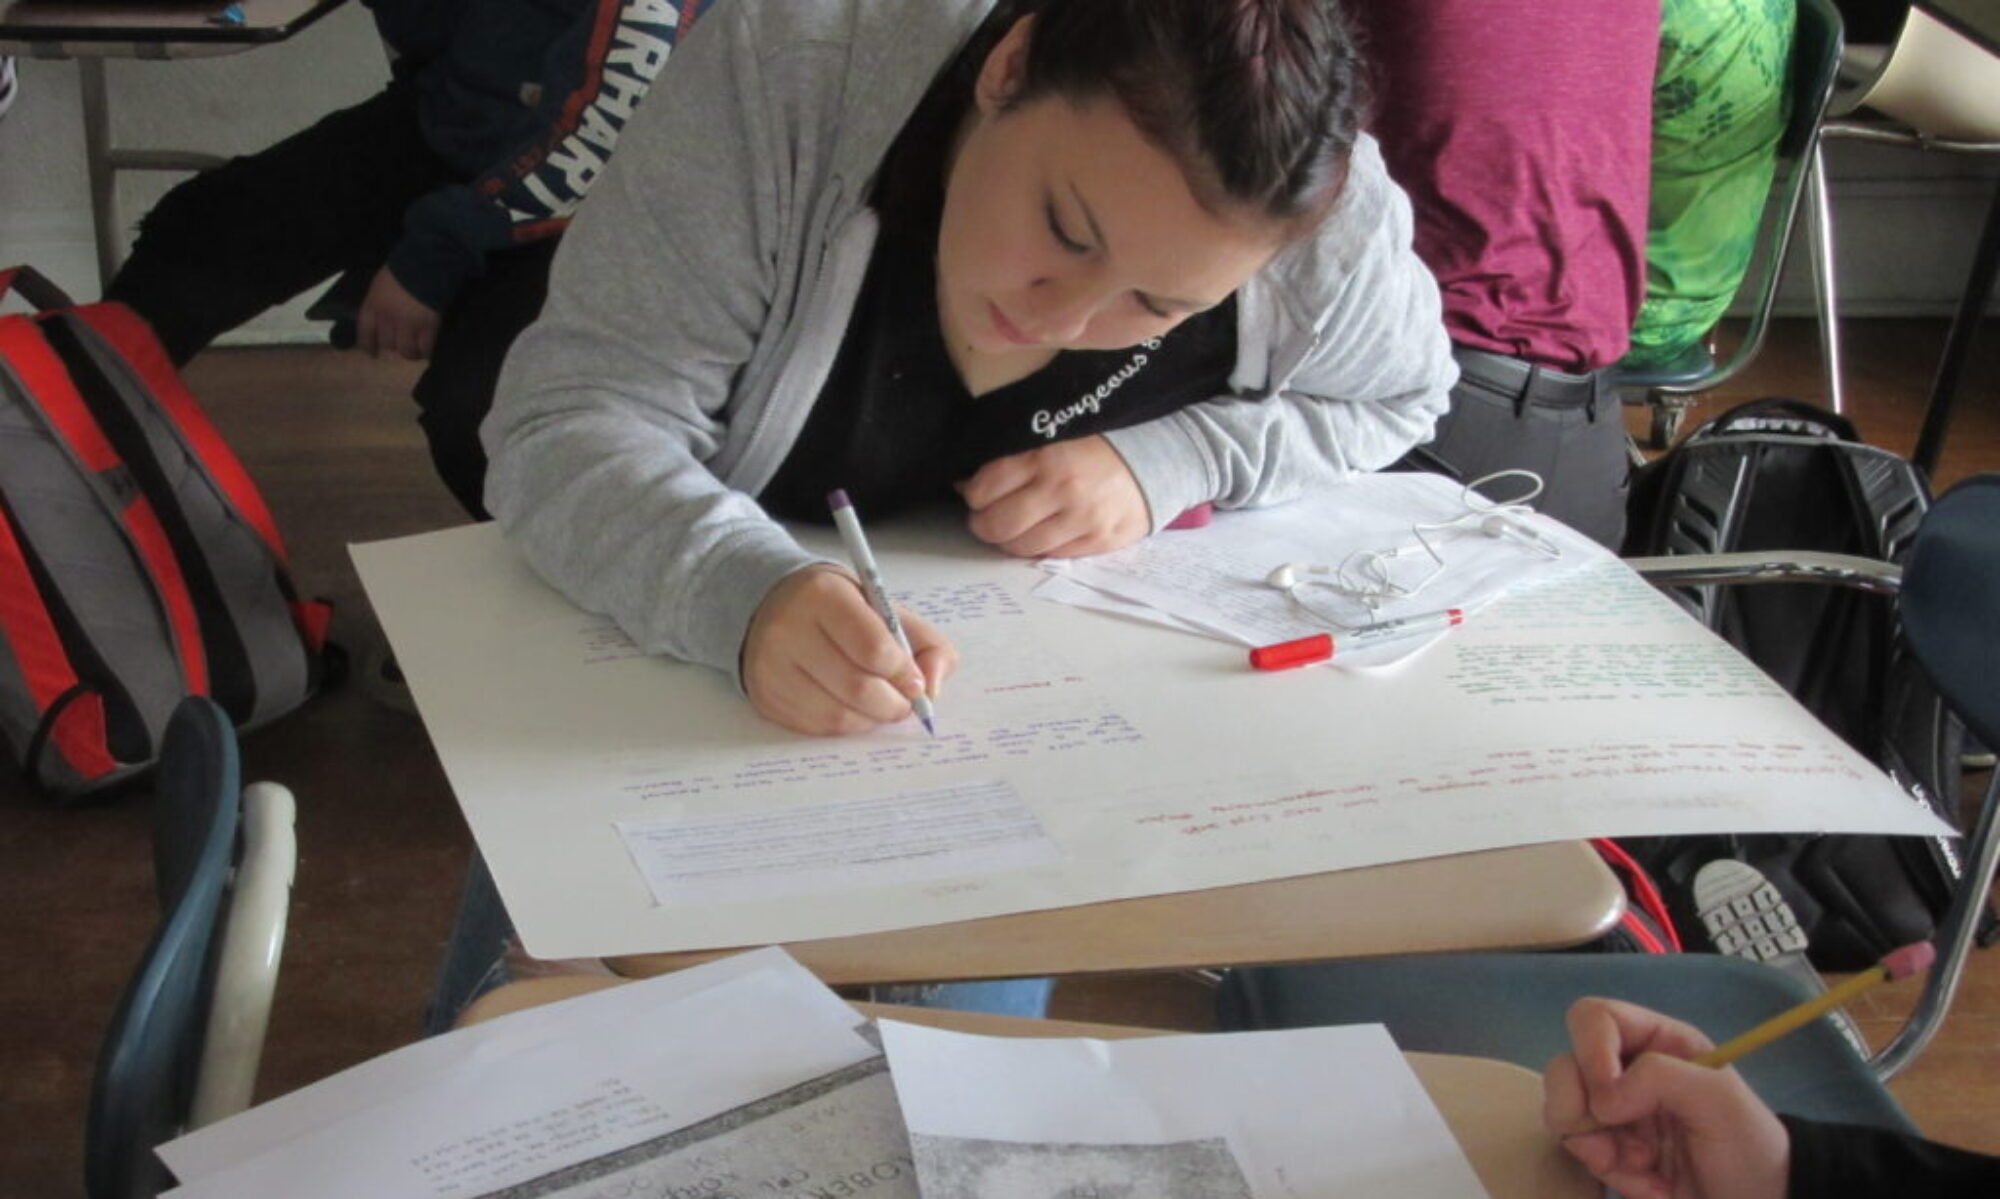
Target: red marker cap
column 1287, row 654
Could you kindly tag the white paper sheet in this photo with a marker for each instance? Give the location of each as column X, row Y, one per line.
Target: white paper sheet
column 257, row 1130
column 751, row 1070
column 1304, row 1112
column 1216, row 578
column 1156, row 762
column 1062, row 589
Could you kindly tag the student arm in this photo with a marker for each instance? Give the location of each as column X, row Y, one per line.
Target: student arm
column 613, row 407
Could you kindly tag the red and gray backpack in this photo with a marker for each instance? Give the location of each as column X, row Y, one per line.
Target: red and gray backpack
column 138, row 563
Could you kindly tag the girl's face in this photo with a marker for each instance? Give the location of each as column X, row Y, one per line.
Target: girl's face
column 1065, row 229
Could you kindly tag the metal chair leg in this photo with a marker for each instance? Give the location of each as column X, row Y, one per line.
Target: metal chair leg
column 1823, row 286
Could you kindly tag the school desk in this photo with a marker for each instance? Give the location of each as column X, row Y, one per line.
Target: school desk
column 91, row 33
column 1493, row 1108
column 1533, row 897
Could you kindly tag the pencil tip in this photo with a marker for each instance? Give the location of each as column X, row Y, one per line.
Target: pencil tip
column 930, row 726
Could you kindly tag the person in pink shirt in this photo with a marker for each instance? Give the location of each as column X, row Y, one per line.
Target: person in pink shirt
column 1523, row 136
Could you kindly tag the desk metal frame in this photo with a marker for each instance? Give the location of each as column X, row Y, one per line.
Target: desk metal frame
column 91, row 34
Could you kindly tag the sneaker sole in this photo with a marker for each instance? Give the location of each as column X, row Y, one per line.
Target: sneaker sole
column 1746, row 916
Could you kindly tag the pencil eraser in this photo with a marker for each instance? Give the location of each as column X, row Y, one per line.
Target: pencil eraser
column 1910, row 959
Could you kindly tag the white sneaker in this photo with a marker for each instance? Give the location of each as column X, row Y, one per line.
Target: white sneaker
column 1746, row 916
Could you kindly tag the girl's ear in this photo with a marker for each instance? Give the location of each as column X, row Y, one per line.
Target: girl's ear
column 1005, row 68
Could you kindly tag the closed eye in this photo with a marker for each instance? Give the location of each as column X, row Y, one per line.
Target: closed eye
column 1057, row 231
column 1153, row 308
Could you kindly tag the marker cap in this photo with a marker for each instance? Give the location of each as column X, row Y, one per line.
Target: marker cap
column 1287, row 654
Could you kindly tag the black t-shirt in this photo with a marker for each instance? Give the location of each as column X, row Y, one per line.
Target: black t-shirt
column 894, row 424
column 896, row 427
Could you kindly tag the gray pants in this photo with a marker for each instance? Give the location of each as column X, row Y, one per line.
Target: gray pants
column 1578, row 448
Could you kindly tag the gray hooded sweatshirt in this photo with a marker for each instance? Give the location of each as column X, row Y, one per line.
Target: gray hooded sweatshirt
column 703, row 291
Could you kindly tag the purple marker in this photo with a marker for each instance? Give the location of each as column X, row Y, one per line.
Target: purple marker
column 863, row 558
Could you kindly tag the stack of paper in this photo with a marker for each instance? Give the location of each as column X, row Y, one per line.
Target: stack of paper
column 1379, row 547
column 748, row 1068
column 748, row 1077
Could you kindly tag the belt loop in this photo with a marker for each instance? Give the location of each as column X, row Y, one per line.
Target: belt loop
column 1527, row 389
column 1596, row 389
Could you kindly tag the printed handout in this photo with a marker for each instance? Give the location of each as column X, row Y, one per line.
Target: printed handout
column 747, row 1070
column 1319, row 1111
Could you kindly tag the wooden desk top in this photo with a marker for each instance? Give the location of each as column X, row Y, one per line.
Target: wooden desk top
column 1493, row 1108
column 63, row 29
column 1533, row 897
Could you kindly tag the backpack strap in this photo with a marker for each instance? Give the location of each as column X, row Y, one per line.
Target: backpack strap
column 34, row 287
column 23, row 345
column 125, row 332
column 74, row 719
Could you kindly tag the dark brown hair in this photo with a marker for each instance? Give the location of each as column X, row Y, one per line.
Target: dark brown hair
column 1259, row 100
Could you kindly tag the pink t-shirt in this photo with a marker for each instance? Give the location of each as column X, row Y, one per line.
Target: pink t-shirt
column 1523, row 134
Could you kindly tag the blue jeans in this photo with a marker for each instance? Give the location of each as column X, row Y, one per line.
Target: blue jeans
column 475, row 962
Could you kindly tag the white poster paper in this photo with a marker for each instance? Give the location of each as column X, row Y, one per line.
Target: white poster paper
column 1151, row 760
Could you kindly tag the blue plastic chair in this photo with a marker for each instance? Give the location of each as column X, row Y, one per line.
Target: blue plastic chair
column 1512, row 1006
column 184, row 1044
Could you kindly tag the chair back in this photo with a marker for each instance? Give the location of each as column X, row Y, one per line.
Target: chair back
column 1951, row 602
column 1816, row 45
column 146, row 1071
column 1949, row 609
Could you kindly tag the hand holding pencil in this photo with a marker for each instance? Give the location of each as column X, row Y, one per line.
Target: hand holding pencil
column 1645, row 1120
column 1650, row 1107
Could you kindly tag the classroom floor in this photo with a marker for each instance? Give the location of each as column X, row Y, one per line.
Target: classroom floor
column 331, row 439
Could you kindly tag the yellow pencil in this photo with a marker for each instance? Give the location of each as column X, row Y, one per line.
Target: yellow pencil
column 1900, row 963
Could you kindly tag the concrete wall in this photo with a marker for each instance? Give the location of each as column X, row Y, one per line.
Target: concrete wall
column 1905, row 224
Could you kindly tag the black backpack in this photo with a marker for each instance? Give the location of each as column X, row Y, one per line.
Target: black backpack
column 1780, row 474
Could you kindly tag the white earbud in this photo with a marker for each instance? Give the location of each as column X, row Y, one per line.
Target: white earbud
column 1284, row 578
column 1497, row 525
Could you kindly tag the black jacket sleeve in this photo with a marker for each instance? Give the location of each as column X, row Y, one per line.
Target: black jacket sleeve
column 589, row 82
column 1848, row 1161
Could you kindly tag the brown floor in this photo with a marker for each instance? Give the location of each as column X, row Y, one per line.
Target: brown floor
column 331, row 440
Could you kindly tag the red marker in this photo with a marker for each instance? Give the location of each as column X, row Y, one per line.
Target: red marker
column 1318, row 648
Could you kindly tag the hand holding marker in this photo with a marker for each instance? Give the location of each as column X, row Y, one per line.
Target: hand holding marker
column 863, row 559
